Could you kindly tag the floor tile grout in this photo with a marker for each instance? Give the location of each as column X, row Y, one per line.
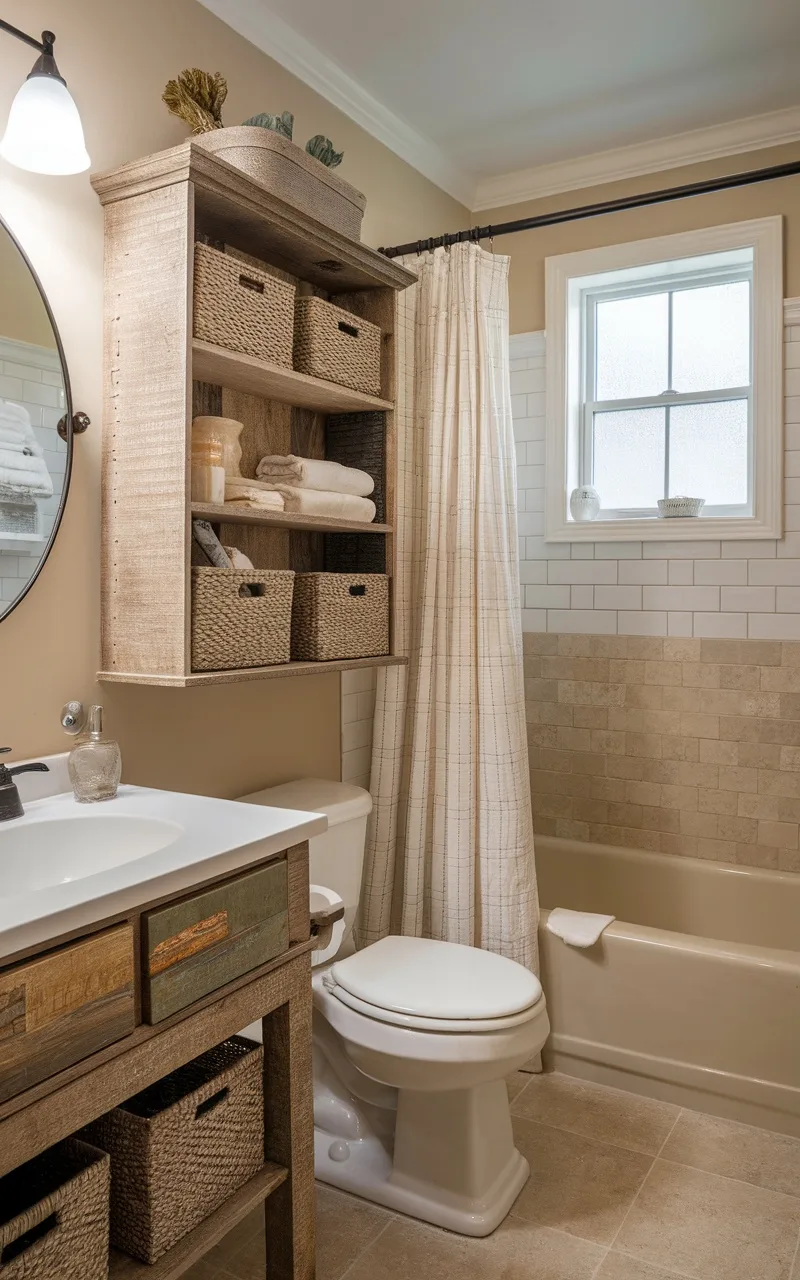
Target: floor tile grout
column 644, row 1180
column 742, row 1182
column 604, row 1142
column 369, row 1245
column 795, row 1258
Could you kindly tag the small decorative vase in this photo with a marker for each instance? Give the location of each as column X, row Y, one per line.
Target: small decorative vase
column 227, row 432
column 584, row 503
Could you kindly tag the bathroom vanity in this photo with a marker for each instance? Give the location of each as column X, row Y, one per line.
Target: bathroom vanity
column 113, row 978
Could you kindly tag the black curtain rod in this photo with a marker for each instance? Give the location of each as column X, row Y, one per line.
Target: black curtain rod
column 474, row 234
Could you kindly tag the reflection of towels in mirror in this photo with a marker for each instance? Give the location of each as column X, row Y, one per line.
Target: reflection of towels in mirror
column 23, row 470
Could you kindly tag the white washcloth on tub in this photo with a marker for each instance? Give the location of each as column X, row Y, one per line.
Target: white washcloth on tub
column 315, row 473
column 577, row 928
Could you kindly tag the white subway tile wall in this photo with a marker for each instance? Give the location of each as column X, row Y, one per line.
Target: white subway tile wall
column 31, row 376
column 732, row 589
column 358, row 706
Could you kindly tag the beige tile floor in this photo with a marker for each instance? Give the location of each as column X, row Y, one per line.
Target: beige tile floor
column 621, row 1188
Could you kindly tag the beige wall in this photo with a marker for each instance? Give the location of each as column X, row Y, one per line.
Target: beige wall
column 117, row 58
column 529, row 249
column 23, row 315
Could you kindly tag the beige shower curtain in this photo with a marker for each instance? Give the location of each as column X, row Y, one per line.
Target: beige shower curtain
column 450, row 844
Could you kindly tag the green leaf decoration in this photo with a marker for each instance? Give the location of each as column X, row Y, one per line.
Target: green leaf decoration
column 321, row 148
column 282, row 124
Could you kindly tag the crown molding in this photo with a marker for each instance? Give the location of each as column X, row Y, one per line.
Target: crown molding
column 276, row 38
column 754, row 133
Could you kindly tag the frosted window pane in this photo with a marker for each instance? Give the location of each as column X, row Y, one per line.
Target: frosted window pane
column 711, row 337
column 632, row 347
column 708, row 452
column 629, row 457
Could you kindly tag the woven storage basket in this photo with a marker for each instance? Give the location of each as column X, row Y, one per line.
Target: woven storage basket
column 340, row 615
column 241, row 308
column 54, row 1216
column 182, row 1147
column 231, row 627
column 334, row 344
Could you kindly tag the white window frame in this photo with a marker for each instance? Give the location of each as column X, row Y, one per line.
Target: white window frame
column 571, row 280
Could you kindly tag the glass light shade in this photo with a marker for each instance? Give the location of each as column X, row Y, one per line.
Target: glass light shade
column 44, row 132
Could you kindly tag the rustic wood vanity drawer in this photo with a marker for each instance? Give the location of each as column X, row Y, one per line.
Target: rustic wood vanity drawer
column 194, row 946
column 58, row 1008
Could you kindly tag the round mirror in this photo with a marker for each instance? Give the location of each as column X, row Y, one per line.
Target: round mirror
column 35, row 462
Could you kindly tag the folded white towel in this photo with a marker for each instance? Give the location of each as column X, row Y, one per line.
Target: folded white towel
column 315, row 473
column 314, row 502
column 22, row 465
column 577, row 928
column 252, row 493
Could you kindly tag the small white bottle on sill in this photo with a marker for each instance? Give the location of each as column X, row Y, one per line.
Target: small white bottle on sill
column 584, row 503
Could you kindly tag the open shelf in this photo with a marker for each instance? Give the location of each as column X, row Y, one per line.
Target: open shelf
column 238, row 675
column 234, row 513
column 262, row 378
column 193, row 1246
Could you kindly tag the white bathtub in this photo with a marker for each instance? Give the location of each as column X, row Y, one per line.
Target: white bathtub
column 692, row 995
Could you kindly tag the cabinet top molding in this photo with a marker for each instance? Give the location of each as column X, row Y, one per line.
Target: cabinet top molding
column 249, row 214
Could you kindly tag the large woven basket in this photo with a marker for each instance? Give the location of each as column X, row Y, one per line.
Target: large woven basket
column 334, row 344
column 289, row 172
column 182, row 1147
column 54, row 1216
column 340, row 615
column 231, row 626
column 241, row 308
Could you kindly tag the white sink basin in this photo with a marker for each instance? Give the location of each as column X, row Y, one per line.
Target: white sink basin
column 65, row 865
column 58, row 850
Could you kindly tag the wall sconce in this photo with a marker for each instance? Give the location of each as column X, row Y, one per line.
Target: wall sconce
column 44, row 133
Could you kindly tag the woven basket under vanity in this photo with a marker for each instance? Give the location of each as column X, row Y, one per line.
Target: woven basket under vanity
column 242, row 308
column 54, row 1213
column 180, row 1148
column 336, row 345
column 233, row 627
column 340, row 615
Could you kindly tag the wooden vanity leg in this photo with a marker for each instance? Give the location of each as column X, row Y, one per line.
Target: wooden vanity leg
column 289, row 1131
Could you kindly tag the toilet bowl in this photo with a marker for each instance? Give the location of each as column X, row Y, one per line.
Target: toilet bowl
column 412, row 1041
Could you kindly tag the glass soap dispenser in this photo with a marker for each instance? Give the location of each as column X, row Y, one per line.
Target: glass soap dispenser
column 95, row 766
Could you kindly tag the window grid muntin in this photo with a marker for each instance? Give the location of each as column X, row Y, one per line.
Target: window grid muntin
column 669, row 284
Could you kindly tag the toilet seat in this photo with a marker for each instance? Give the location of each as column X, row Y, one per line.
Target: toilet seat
column 435, row 986
column 395, row 1019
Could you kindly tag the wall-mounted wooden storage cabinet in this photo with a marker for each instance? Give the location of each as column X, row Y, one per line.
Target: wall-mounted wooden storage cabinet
column 157, row 377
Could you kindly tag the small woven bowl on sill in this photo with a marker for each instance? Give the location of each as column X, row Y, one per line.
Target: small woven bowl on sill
column 668, row 508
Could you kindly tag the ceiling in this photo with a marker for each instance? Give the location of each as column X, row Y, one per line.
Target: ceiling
column 500, row 86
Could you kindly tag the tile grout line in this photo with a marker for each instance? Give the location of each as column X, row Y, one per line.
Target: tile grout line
column 792, row 1269
column 644, row 1179
column 385, row 1227
column 740, row 1182
column 603, row 1142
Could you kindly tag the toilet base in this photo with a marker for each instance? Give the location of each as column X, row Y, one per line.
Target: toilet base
column 447, row 1158
column 367, row 1172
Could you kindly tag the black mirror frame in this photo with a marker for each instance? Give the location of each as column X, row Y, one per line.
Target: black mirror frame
column 70, row 432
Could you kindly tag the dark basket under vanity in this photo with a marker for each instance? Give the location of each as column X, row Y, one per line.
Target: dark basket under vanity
column 54, row 1216
column 180, row 1148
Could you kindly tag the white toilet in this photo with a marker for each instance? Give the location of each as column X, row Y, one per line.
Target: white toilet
column 413, row 1039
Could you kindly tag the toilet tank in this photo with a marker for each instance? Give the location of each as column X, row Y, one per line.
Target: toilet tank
column 336, row 857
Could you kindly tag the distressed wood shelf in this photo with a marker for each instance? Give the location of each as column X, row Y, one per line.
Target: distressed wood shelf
column 279, row 671
column 229, row 513
column 197, row 1243
column 273, row 382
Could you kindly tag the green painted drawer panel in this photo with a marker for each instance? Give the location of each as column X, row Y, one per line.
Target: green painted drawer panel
column 191, row 948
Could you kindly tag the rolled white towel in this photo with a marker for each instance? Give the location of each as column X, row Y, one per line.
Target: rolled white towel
column 314, row 502
column 577, row 928
column 315, row 473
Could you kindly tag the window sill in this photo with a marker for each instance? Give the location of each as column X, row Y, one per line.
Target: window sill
column 675, row 529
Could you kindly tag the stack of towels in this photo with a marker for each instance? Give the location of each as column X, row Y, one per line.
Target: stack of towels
column 23, row 470
column 308, row 486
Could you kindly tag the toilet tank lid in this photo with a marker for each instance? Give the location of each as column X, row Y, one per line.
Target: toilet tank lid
column 339, row 801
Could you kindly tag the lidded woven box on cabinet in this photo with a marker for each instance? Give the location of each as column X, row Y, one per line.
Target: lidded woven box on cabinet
column 180, row 1148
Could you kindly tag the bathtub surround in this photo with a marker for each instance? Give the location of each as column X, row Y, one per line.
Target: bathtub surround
column 680, row 746
column 450, row 837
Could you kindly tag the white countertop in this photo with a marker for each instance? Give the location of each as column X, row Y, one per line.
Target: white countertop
column 213, row 838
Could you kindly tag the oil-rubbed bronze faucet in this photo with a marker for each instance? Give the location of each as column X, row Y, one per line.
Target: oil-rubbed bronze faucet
column 10, row 803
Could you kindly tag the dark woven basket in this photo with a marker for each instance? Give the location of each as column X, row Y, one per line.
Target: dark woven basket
column 183, row 1146
column 358, row 440
column 54, row 1216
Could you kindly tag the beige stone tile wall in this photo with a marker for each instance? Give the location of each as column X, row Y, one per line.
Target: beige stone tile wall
column 679, row 746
